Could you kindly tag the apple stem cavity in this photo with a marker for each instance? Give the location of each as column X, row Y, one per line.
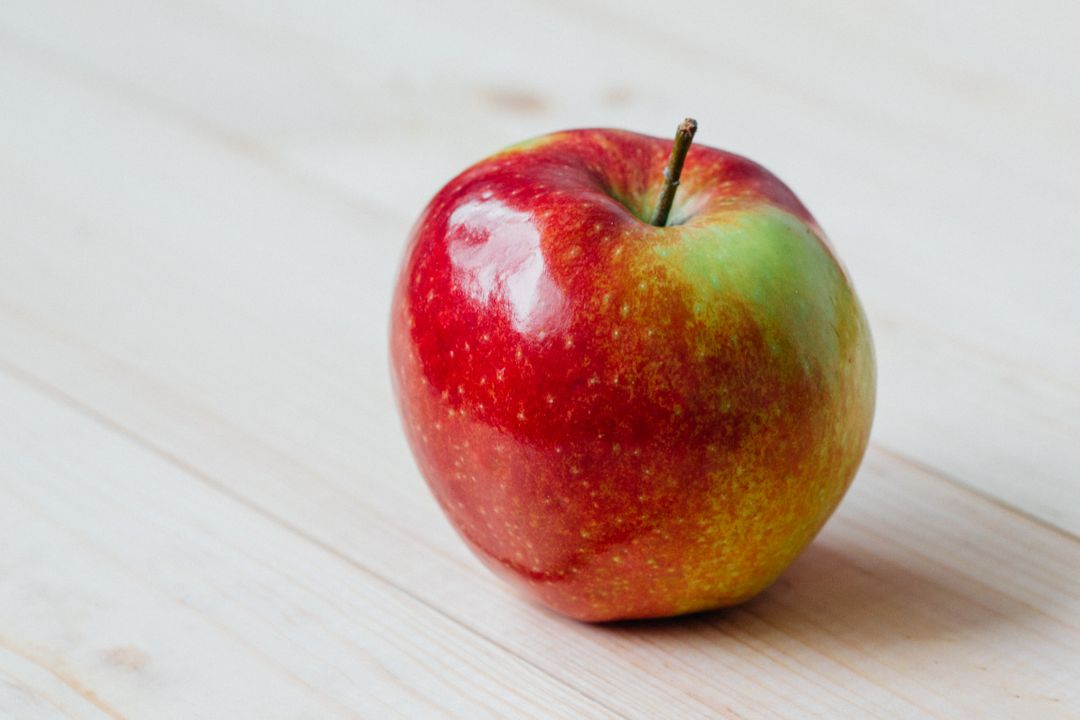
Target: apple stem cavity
column 684, row 135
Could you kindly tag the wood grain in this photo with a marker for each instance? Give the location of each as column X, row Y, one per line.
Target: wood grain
column 138, row 583
column 209, row 510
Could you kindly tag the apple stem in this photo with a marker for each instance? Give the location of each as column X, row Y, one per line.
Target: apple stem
column 684, row 135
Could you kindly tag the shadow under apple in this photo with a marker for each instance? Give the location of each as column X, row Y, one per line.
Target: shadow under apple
column 918, row 598
column 837, row 591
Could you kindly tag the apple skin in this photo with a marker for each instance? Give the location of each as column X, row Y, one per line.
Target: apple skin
column 629, row 421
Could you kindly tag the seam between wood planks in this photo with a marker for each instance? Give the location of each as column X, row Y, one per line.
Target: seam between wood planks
column 851, row 667
column 58, row 395
column 977, row 492
column 158, row 590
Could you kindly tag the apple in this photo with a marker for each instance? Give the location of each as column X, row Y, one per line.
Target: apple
column 629, row 412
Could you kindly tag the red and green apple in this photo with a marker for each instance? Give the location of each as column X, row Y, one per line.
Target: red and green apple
column 628, row 410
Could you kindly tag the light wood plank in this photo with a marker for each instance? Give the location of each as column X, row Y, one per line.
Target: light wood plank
column 151, row 594
column 919, row 600
column 253, row 368
column 203, row 210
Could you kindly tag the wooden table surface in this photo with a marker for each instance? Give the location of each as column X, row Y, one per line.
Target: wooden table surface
column 208, row 509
